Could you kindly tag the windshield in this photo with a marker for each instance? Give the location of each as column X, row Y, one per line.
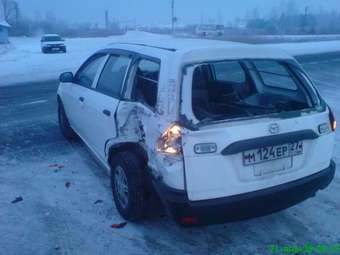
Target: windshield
column 233, row 89
column 52, row 38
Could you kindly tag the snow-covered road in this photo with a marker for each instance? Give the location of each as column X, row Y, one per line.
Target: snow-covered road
column 67, row 204
column 24, row 62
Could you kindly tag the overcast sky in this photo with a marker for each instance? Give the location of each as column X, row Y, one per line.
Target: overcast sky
column 158, row 11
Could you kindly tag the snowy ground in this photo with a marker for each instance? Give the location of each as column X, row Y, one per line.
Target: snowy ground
column 67, row 204
column 24, row 62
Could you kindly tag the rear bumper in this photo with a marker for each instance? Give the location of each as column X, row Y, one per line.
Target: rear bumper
column 54, row 48
column 244, row 206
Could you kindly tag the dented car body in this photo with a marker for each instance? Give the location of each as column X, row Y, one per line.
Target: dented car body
column 221, row 131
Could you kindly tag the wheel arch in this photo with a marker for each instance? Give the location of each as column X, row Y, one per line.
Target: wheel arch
column 133, row 147
column 59, row 100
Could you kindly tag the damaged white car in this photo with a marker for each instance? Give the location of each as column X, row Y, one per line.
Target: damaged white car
column 220, row 131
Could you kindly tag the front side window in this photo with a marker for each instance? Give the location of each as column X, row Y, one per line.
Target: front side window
column 146, row 82
column 88, row 72
column 113, row 75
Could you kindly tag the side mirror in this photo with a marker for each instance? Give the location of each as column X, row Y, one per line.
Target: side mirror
column 66, row 77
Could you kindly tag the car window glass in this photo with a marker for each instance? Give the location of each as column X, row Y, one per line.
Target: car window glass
column 146, row 82
column 112, row 77
column 229, row 71
column 275, row 74
column 88, row 73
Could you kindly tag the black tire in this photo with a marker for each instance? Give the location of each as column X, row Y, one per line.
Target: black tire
column 133, row 169
column 64, row 124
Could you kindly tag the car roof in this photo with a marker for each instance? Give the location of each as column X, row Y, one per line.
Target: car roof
column 51, row 35
column 188, row 50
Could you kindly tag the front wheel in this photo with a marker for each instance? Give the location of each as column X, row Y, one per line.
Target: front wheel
column 127, row 182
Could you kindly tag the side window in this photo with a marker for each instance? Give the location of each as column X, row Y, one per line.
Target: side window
column 274, row 74
column 230, row 71
column 87, row 74
column 112, row 77
column 146, row 82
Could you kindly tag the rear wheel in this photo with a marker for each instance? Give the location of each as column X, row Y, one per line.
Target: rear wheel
column 127, row 182
column 64, row 124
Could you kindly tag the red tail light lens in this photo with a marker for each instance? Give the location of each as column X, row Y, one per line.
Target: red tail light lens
column 332, row 120
column 189, row 220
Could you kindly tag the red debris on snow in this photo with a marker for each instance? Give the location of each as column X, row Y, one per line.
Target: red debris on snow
column 120, row 225
column 17, row 200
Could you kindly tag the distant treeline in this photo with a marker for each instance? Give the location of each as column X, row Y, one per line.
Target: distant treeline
column 327, row 22
column 288, row 19
column 284, row 19
column 49, row 23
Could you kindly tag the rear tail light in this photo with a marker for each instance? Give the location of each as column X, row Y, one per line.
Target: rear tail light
column 189, row 220
column 170, row 142
column 332, row 119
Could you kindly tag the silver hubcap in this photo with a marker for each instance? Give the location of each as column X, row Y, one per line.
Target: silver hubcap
column 121, row 186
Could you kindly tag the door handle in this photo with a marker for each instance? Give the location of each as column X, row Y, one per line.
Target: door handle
column 81, row 99
column 107, row 112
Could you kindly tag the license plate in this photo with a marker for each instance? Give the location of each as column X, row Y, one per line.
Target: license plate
column 270, row 153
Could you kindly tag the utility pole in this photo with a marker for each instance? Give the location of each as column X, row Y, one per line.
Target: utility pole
column 107, row 21
column 305, row 20
column 173, row 18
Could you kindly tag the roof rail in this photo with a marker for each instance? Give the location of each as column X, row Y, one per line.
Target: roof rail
column 146, row 45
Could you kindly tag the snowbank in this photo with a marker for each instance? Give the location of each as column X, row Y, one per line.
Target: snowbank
column 25, row 63
column 4, row 48
column 308, row 48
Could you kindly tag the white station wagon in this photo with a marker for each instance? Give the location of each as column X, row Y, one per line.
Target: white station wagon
column 220, row 131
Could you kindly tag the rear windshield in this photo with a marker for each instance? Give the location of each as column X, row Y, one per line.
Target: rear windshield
column 51, row 38
column 233, row 89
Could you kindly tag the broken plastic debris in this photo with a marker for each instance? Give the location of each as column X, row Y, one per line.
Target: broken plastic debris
column 120, row 225
column 17, row 199
column 98, row 201
column 56, row 166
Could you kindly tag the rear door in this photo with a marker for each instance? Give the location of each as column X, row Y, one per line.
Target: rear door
column 237, row 157
column 102, row 102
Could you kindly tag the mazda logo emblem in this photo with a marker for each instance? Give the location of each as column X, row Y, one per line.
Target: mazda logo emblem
column 274, row 128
